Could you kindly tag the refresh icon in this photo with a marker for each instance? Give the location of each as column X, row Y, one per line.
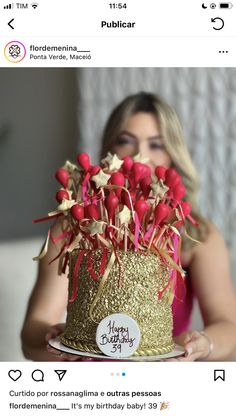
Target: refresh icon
column 219, row 21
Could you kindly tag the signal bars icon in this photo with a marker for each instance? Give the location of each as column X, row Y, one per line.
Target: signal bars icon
column 9, row 6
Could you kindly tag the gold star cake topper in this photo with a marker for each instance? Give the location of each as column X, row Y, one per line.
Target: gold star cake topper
column 101, row 178
column 140, row 158
column 66, row 204
column 125, row 215
column 70, row 166
column 113, row 161
column 159, row 189
column 96, row 227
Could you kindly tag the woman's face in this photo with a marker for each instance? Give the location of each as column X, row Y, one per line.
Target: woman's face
column 141, row 134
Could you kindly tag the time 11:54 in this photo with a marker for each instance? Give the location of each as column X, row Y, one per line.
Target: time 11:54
column 118, row 5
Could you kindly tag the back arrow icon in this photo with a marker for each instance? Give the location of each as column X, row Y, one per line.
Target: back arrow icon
column 9, row 24
column 222, row 23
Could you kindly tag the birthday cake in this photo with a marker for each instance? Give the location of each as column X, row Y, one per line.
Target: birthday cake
column 143, row 276
column 121, row 240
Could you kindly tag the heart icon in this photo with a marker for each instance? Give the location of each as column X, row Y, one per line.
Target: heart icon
column 14, row 374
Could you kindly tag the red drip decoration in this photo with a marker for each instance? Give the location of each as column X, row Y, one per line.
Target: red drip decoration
column 102, row 267
column 75, row 276
column 161, row 256
column 39, row 220
column 118, row 261
column 136, row 231
column 180, row 288
column 84, row 188
column 160, row 293
column 59, row 254
column 103, row 261
column 149, row 232
column 66, row 260
column 62, row 236
column 90, row 266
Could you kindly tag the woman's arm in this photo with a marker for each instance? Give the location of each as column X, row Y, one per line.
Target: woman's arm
column 46, row 306
column 210, row 275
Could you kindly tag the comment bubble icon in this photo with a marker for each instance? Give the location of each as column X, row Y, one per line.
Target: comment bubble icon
column 38, row 375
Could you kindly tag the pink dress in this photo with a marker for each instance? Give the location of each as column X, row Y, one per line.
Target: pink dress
column 182, row 310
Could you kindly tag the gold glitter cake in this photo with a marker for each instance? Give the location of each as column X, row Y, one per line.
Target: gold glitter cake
column 120, row 233
column 131, row 288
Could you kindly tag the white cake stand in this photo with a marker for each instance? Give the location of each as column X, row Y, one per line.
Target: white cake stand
column 56, row 344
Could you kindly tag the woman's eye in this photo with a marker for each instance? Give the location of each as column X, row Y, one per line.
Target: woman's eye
column 156, row 146
column 123, row 141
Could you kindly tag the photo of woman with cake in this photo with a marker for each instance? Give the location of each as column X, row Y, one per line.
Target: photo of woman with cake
column 129, row 236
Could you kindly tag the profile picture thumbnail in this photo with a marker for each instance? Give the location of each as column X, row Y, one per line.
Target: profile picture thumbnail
column 15, row 51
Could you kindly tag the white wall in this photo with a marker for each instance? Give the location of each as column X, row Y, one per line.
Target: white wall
column 38, row 132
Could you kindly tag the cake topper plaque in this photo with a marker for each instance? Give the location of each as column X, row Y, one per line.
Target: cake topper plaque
column 118, row 335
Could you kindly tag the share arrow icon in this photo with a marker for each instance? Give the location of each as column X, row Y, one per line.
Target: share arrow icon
column 60, row 373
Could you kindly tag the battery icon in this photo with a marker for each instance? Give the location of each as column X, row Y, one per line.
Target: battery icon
column 225, row 5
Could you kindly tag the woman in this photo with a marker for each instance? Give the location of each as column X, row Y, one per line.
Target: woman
column 144, row 124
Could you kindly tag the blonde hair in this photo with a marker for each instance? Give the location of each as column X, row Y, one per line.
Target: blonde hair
column 173, row 140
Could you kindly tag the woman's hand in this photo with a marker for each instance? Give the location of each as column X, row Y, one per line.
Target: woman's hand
column 197, row 346
column 55, row 331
